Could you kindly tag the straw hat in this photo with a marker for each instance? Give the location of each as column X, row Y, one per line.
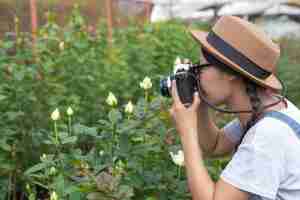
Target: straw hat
column 244, row 47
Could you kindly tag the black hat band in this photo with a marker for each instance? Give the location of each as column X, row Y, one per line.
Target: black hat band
column 235, row 56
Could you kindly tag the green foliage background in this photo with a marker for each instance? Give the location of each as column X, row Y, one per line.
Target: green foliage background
column 34, row 81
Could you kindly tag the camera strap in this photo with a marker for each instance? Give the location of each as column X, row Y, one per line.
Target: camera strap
column 204, row 99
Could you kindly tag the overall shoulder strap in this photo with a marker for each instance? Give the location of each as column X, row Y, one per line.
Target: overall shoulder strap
column 293, row 124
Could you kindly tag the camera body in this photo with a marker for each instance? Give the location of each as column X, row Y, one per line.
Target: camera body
column 185, row 76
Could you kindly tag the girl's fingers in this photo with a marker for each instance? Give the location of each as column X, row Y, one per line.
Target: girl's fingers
column 196, row 101
column 175, row 94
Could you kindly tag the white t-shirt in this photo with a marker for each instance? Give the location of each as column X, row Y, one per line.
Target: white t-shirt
column 267, row 162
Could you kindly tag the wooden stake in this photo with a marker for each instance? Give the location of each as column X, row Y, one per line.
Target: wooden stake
column 148, row 10
column 34, row 22
column 108, row 6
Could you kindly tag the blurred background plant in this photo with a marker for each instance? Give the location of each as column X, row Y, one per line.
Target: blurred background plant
column 100, row 149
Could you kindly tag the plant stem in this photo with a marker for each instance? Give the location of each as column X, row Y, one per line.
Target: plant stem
column 146, row 101
column 146, row 95
column 15, row 185
column 55, row 132
column 9, row 186
column 70, row 125
column 113, row 142
column 179, row 173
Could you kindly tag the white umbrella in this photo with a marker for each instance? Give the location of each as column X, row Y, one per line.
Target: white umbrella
column 280, row 27
column 160, row 13
column 282, row 10
column 166, row 9
column 205, row 15
column 245, row 8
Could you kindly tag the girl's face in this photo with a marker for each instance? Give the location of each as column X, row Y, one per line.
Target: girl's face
column 216, row 84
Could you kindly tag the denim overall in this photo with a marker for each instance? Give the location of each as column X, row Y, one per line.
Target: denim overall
column 286, row 119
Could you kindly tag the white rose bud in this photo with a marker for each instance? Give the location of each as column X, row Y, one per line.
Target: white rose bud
column 70, row 111
column 101, row 153
column 43, row 158
column 28, row 187
column 17, row 20
column 111, row 99
column 55, row 115
column 53, row 196
column 129, row 108
column 62, row 46
column 52, row 171
column 178, row 158
column 146, row 83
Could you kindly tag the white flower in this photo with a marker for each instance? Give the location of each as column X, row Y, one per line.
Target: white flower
column 28, row 187
column 178, row 158
column 111, row 99
column 52, row 171
column 70, row 111
column 85, row 165
column 17, row 20
column 146, row 83
column 43, row 158
column 62, row 45
column 55, row 115
column 129, row 107
column 101, row 153
column 53, row 196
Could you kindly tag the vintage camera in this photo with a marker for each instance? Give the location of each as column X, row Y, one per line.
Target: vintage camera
column 185, row 74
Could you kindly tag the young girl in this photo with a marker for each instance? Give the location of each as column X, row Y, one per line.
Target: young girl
column 239, row 71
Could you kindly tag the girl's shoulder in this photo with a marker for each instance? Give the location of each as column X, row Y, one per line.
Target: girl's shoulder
column 275, row 131
column 287, row 117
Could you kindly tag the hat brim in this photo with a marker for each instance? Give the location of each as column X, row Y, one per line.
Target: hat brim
column 270, row 82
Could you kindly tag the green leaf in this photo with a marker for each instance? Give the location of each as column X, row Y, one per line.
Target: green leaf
column 75, row 195
column 114, row 116
column 7, row 44
column 73, row 190
column 2, row 97
column 104, row 122
column 35, row 168
column 124, row 143
column 4, row 145
column 125, row 192
column 63, row 135
column 97, row 196
column 48, row 142
column 84, row 130
column 59, row 184
column 67, row 140
column 14, row 115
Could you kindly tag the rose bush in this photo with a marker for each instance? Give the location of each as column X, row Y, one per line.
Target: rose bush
column 126, row 155
column 64, row 137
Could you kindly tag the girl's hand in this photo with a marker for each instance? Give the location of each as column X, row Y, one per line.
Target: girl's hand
column 185, row 119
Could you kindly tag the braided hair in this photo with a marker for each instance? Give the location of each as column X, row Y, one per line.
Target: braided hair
column 256, row 104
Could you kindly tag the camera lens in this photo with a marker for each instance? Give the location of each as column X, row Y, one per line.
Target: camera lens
column 165, row 85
